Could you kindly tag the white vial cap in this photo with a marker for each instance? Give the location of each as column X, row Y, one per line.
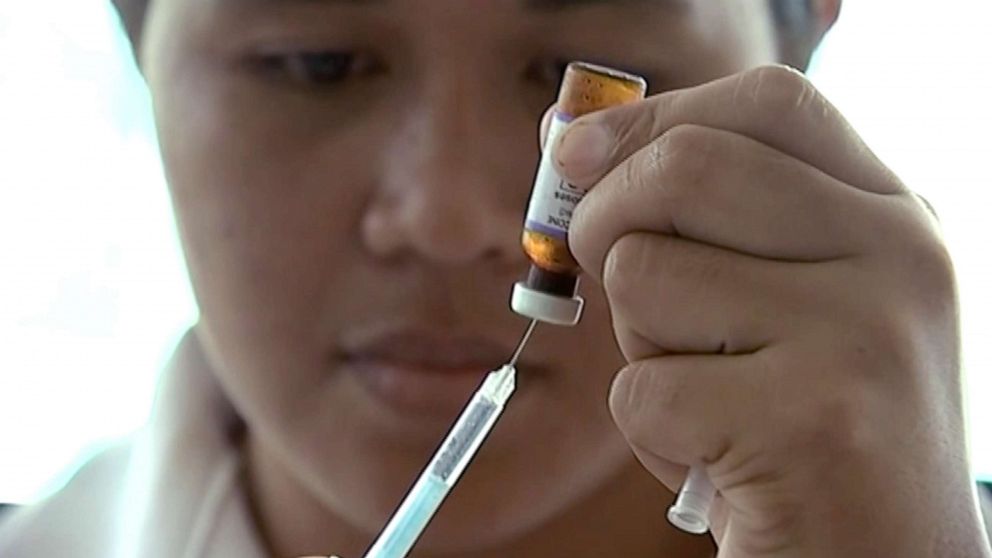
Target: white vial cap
column 534, row 304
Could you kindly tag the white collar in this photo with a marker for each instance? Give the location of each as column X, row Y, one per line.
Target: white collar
column 182, row 493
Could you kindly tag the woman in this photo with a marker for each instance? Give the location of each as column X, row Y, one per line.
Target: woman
column 349, row 179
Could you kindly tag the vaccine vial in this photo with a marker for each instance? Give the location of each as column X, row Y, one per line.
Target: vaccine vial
column 550, row 292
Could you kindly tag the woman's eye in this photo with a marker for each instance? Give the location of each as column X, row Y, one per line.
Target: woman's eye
column 317, row 67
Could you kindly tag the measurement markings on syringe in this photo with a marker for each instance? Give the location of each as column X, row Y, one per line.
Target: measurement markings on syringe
column 460, row 440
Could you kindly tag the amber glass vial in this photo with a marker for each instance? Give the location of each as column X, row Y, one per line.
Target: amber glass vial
column 550, row 292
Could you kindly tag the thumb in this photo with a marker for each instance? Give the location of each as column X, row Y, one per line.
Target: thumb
column 545, row 126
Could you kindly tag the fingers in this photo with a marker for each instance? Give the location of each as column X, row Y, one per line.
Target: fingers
column 723, row 189
column 774, row 105
column 670, row 295
column 690, row 408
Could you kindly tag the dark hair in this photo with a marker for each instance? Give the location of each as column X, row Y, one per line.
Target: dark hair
column 793, row 19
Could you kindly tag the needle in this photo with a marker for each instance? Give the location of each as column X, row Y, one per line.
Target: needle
column 523, row 343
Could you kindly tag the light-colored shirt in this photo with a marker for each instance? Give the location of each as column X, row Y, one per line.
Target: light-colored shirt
column 173, row 491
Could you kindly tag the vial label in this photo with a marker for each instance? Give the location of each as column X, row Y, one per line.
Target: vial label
column 552, row 199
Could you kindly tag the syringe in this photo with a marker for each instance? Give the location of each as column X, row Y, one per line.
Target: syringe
column 450, row 461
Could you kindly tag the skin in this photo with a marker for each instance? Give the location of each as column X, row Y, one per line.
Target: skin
column 809, row 355
column 803, row 347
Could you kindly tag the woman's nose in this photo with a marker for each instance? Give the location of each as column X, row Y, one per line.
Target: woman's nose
column 446, row 191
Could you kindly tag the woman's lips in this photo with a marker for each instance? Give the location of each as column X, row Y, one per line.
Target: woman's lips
column 422, row 374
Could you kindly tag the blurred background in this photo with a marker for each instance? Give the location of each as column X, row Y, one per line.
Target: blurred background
column 93, row 293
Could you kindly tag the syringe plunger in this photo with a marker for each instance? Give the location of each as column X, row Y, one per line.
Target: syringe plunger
column 691, row 510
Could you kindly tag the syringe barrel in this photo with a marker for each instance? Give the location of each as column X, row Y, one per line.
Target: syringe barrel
column 410, row 520
column 447, row 465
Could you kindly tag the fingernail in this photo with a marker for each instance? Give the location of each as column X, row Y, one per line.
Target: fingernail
column 583, row 151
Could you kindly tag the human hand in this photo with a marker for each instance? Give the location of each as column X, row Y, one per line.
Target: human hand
column 789, row 314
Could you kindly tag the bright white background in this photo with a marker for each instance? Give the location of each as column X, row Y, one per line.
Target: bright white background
column 92, row 288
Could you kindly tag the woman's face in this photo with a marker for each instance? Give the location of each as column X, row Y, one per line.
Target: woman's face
column 350, row 179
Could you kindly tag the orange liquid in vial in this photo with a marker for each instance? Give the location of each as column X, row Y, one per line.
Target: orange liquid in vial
column 585, row 88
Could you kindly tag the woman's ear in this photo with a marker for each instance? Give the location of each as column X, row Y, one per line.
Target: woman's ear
column 800, row 37
column 132, row 14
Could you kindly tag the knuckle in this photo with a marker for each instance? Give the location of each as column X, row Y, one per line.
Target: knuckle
column 833, row 425
column 623, row 260
column 635, row 123
column 682, row 272
column 927, row 206
column 639, row 399
column 633, row 177
column 919, row 262
column 681, row 159
column 883, row 347
column 775, row 91
column 697, row 268
column 933, row 269
column 872, row 348
column 909, row 345
column 668, row 169
column 685, row 141
column 643, row 267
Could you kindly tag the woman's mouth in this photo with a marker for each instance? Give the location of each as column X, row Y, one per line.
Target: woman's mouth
column 418, row 373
